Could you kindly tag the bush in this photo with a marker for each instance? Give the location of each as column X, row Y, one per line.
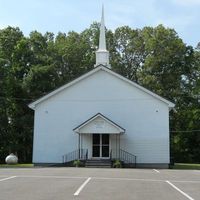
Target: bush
column 77, row 163
column 117, row 164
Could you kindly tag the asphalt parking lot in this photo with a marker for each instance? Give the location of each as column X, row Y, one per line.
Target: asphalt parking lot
column 98, row 183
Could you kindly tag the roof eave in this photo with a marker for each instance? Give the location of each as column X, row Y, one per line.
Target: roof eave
column 34, row 103
column 100, row 67
column 169, row 103
column 32, row 106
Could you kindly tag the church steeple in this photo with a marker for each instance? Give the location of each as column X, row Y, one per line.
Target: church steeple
column 102, row 55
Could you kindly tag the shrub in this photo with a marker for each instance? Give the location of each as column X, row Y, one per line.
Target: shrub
column 77, row 163
column 117, row 164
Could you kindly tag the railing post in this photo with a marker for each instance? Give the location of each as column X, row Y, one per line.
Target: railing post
column 135, row 160
column 119, row 147
column 79, row 145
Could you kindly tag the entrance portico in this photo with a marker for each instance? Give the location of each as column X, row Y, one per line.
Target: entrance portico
column 99, row 134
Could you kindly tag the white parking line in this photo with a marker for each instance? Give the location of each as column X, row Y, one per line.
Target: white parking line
column 108, row 178
column 177, row 181
column 179, row 190
column 61, row 177
column 155, row 170
column 82, row 186
column 4, row 179
column 128, row 179
column 83, row 177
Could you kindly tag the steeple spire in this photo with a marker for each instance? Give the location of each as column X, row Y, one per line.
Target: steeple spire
column 102, row 55
column 102, row 37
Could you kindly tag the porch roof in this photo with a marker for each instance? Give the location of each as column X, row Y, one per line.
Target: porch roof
column 99, row 124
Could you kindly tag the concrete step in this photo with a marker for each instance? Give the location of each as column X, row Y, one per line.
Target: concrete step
column 98, row 163
column 97, row 166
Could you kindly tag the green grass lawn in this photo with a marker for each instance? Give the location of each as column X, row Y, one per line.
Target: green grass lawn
column 17, row 165
column 176, row 166
column 186, row 166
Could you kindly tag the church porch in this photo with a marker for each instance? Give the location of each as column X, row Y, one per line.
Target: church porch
column 99, row 143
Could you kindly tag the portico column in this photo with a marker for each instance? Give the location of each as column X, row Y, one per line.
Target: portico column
column 116, row 147
column 119, row 146
column 79, row 137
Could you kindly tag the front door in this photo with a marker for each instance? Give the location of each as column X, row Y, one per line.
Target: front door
column 100, row 145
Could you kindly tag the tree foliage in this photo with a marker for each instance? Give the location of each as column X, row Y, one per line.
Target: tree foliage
column 155, row 58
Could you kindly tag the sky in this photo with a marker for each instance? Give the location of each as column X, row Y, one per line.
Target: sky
column 77, row 15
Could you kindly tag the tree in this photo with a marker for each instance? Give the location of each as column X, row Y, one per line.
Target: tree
column 186, row 119
column 156, row 58
column 129, row 55
column 9, row 39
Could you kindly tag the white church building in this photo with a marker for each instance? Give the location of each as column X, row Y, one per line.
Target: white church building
column 102, row 116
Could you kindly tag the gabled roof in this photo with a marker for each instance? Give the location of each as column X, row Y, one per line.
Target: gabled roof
column 91, row 121
column 98, row 68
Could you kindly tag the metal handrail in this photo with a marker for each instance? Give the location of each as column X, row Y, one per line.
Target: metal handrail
column 123, row 156
column 127, row 157
column 78, row 154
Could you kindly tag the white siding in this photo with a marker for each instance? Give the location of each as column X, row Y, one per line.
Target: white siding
column 144, row 117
